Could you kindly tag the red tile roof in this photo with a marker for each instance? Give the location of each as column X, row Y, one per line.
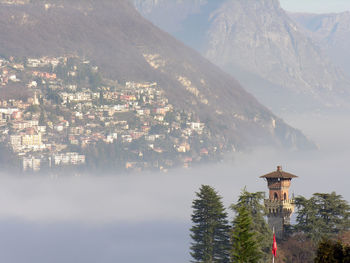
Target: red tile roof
column 279, row 174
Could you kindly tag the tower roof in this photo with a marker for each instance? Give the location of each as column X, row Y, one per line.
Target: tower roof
column 279, row 173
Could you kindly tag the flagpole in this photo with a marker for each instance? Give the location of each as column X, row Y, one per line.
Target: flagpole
column 273, row 256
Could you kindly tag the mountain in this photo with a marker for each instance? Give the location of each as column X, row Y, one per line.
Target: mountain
column 257, row 43
column 331, row 32
column 125, row 46
column 186, row 20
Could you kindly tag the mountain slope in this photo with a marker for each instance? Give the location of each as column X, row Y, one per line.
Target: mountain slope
column 127, row 47
column 186, row 20
column 331, row 32
column 257, row 43
column 259, row 37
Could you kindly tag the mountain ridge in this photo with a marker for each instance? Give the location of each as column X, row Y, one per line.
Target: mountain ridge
column 256, row 40
column 330, row 31
column 126, row 46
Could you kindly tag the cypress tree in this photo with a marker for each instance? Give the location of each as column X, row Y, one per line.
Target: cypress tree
column 245, row 248
column 210, row 230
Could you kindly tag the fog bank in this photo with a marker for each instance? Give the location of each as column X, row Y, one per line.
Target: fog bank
column 107, row 219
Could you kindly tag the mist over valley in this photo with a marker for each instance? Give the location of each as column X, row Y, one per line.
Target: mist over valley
column 110, row 125
column 102, row 217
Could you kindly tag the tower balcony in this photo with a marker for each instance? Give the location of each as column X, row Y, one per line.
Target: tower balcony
column 279, row 206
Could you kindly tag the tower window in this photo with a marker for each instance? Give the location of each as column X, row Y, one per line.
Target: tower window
column 285, row 196
column 275, row 196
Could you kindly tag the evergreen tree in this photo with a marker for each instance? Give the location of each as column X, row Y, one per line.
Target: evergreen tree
column 245, row 248
column 332, row 252
column 323, row 215
column 210, row 230
column 253, row 203
column 42, row 118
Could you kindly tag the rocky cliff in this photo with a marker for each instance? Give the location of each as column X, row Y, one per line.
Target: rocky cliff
column 331, row 32
column 261, row 46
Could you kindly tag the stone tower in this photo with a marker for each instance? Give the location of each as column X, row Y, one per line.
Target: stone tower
column 279, row 205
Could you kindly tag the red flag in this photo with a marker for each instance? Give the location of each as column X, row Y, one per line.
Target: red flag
column 274, row 246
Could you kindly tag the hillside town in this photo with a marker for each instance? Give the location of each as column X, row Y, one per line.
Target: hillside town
column 59, row 112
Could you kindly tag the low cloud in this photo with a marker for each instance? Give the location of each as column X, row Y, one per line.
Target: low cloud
column 146, row 217
column 168, row 197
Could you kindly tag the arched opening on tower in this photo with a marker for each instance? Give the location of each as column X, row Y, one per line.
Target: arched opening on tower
column 279, row 207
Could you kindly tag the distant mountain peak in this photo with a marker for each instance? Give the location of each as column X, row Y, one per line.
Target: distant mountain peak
column 331, row 32
column 260, row 38
column 259, row 44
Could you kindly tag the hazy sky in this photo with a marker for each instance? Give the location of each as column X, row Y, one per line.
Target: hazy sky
column 316, row 6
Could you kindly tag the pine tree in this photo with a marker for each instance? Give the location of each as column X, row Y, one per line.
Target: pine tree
column 210, row 230
column 245, row 248
column 323, row 215
column 253, row 203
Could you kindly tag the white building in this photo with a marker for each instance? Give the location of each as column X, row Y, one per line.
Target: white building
column 70, row 158
column 31, row 163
